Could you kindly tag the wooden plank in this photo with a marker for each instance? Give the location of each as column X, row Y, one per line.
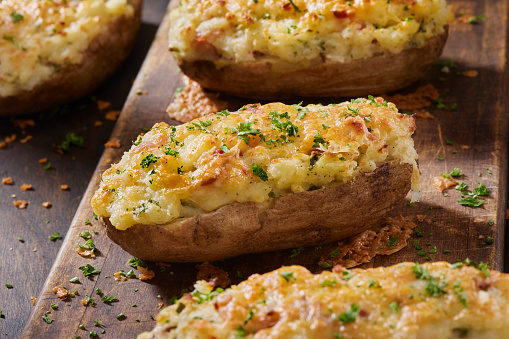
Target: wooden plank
column 20, row 266
column 478, row 125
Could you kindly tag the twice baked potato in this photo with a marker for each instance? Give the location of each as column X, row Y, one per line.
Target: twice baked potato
column 277, row 49
column 53, row 52
column 407, row 300
column 262, row 178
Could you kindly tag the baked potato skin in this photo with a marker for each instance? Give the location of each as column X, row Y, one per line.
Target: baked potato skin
column 299, row 219
column 376, row 75
column 103, row 56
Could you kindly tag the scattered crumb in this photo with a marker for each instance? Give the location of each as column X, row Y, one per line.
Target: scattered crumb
column 43, row 160
column 35, row 250
column 102, row 105
column 442, row 183
column 64, row 187
column 470, row 73
column 46, row 204
column 419, row 99
column 113, row 143
column 74, row 293
column 146, row 274
column 26, row 187
column 13, row 196
column 213, row 274
column 112, row 115
column 420, row 217
column 3, row 144
column 98, row 123
column 365, row 246
column 119, row 277
column 34, row 300
column 7, row 181
column 24, row 123
column 10, row 139
column 26, row 139
column 85, row 253
column 160, row 305
column 21, row 204
column 193, row 102
column 61, row 292
column 422, row 114
column 84, row 302
column 466, row 147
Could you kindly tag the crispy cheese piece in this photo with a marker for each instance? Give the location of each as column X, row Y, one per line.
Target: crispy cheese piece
column 407, row 300
column 252, row 155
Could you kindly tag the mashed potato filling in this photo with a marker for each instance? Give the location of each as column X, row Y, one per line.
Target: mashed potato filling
column 38, row 38
column 253, row 155
column 302, row 33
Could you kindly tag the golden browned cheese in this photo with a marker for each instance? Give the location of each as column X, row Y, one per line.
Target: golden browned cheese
column 252, row 155
column 38, row 38
column 302, row 33
column 407, row 300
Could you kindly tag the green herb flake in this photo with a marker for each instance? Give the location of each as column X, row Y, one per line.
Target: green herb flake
column 109, row 299
column 296, row 252
column 47, row 319
column 471, row 202
column 259, row 172
column 288, row 276
column 351, row 315
column 16, row 17
column 88, row 270
column 394, row 306
column 75, row 280
column 121, row 316
column 55, row 236
column 149, row 159
column 392, row 241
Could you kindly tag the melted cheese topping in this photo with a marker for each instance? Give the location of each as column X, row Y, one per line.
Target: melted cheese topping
column 255, row 154
column 435, row 300
column 38, row 38
column 302, row 33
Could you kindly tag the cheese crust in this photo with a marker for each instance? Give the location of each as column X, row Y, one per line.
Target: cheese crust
column 299, row 34
column 39, row 38
column 253, row 155
column 407, row 300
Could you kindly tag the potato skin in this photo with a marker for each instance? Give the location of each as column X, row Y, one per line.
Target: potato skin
column 102, row 57
column 300, row 219
column 376, row 75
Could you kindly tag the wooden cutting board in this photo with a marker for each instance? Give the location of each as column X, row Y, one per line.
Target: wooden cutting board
column 473, row 138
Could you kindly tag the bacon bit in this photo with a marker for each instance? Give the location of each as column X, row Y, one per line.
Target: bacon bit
column 160, row 305
column 365, row 246
column 146, row 274
column 7, row 181
column 422, row 114
column 442, row 183
column 102, row 105
column 26, row 187
column 119, row 277
column 26, row 139
column 61, row 292
column 64, row 187
column 420, row 217
column 419, row 99
column 98, row 123
column 85, row 253
column 21, row 204
column 84, row 302
column 112, row 115
column 214, row 275
column 43, row 160
column 229, row 16
column 24, row 123
column 163, row 264
column 10, row 139
column 470, row 73
column 193, row 102
column 46, row 204
column 34, row 300
column 3, row 144
column 113, row 143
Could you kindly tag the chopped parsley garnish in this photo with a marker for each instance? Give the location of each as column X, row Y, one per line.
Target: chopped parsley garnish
column 373, row 283
column 169, row 151
column 47, row 319
column 392, row 241
column 201, row 297
column 109, row 299
column 71, row 140
column 54, row 306
column 92, row 334
column 9, row 286
column 54, row 237
column 350, row 315
column 245, row 129
column 149, row 159
column 47, row 167
column 88, row 245
column 224, row 113
column 471, row 202
column 394, row 306
column 294, row 6
column 259, row 172
column 87, row 222
column 75, row 280
column 481, row 190
column 11, row 39
column 327, row 282
column 318, row 140
column 288, row 276
column 85, row 235
column 489, row 241
column 88, row 270
column 420, row 272
column 461, row 186
column 16, row 17
column 121, row 316
column 335, row 253
column 296, row 252
column 138, row 141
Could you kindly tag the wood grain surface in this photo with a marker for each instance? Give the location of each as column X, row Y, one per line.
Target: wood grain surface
column 478, row 131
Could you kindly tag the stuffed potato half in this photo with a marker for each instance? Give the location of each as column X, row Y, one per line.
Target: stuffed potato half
column 53, row 52
column 276, row 49
column 262, row 178
column 407, row 300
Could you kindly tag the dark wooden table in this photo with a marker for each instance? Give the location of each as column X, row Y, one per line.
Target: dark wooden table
column 26, row 264
column 27, row 270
